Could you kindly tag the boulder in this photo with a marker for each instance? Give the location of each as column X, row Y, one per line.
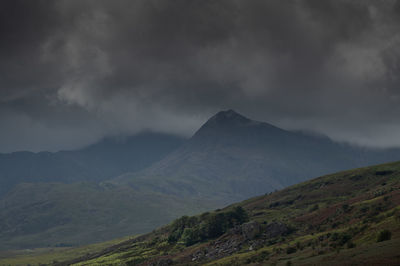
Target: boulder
column 250, row 230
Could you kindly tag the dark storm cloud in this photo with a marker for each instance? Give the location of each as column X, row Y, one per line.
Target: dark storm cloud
column 74, row 71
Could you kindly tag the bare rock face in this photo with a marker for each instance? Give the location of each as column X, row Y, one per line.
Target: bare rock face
column 250, row 230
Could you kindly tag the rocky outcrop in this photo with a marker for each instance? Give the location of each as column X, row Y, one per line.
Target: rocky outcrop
column 249, row 234
column 220, row 248
column 250, row 230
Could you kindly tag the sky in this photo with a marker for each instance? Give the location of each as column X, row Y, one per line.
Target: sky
column 75, row 71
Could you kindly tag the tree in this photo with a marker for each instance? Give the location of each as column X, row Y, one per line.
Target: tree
column 191, row 236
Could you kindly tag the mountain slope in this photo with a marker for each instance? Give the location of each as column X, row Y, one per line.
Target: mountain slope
column 231, row 158
column 102, row 160
column 350, row 217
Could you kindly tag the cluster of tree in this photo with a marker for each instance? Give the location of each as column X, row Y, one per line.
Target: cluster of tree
column 191, row 230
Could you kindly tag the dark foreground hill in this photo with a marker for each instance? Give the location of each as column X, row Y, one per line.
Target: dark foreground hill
column 348, row 218
column 105, row 159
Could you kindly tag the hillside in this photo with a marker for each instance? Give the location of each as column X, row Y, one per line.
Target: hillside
column 105, row 159
column 232, row 157
column 57, row 214
column 349, row 217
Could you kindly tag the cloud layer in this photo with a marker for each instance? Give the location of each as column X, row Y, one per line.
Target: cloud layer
column 72, row 72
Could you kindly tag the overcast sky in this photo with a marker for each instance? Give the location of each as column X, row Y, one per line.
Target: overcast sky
column 72, row 72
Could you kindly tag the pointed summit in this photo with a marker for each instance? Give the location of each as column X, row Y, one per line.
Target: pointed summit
column 227, row 118
column 230, row 114
column 226, row 122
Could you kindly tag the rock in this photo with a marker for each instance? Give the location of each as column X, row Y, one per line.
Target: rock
column 236, row 230
column 250, row 230
column 229, row 243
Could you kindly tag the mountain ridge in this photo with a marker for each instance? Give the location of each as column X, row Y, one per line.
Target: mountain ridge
column 243, row 158
column 102, row 160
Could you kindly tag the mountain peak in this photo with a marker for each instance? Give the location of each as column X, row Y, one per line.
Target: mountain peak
column 231, row 123
column 228, row 117
column 228, row 114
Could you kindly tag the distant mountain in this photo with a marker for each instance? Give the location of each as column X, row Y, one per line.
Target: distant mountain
column 108, row 158
column 231, row 158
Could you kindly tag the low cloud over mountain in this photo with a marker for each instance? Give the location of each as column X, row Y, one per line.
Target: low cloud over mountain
column 72, row 72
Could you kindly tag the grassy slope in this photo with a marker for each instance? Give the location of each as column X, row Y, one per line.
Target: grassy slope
column 50, row 214
column 337, row 219
column 355, row 204
column 52, row 255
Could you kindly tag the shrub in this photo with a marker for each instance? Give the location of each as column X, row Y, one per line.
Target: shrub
column 274, row 204
column 351, row 245
column 215, row 225
column 364, row 209
column 264, row 255
column 191, row 230
column 174, row 236
column 190, row 236
column 291, row 250
column 386, row 198
column 240, row 215
column 345, row 207
column 344, row 238
column 384, row 235
column 334, row 236
column 314, row 208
